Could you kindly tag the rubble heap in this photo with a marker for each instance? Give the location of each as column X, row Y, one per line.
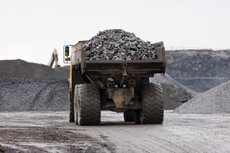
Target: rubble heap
column 117, row 44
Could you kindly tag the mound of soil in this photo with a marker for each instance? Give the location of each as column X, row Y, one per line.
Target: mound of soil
column 23, row 69
column 216, row 100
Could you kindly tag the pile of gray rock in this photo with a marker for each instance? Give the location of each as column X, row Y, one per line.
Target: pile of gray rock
column 215, row 100
column 18, row 94
column 28, row 86
column 117, row 44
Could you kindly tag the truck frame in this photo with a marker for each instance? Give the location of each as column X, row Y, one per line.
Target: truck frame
column 121, row 86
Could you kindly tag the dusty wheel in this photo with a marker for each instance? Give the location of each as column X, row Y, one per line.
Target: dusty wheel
column 153, row 105
column 75, row 104
column 88, row 104
column 129, row 115
column 71, row 107
column 76, row 76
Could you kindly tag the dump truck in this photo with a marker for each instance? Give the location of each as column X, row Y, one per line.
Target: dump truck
column 121, row 86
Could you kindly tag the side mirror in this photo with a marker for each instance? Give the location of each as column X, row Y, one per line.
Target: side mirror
column 66, row 53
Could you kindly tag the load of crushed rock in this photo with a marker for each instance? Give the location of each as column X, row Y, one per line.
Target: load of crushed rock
column 216, row 100
column 18, row 94
column 117, row 44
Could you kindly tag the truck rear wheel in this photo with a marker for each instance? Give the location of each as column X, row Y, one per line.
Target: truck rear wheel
column 76, row 78
column 153, row 105
column 88, row 104
column 129, row 115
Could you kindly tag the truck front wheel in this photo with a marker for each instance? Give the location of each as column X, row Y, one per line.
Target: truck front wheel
column 153, row 105
column 88, row 104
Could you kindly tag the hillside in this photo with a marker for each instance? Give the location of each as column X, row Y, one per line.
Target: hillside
column 199, row 70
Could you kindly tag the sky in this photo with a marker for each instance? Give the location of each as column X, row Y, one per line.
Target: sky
column 30, row 29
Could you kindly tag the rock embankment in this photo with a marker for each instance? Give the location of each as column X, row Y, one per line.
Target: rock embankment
column 199, row 70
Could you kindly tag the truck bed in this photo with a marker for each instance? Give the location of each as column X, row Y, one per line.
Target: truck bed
column 114, row 67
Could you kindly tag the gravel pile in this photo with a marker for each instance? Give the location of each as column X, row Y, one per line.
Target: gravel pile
column 216, row 100
column 33, row 94
column 28, row 86
column 117, row 44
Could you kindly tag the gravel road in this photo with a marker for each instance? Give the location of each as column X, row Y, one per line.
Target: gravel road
column 50, row 132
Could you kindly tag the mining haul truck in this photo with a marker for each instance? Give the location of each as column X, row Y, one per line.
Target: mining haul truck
column 121, row 86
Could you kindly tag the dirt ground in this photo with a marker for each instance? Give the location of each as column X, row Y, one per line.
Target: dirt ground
column 51, row 132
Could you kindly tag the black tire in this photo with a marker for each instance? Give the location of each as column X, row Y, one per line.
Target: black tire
column 88, row 104
column 153, row 105
column 129, row 115
column 71, row 107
